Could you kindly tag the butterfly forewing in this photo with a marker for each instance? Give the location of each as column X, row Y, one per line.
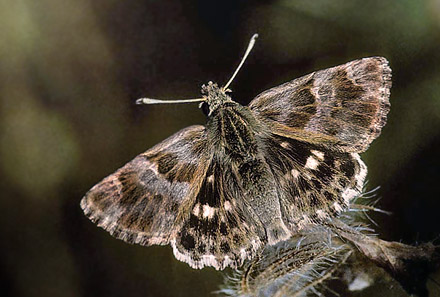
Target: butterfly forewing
column 141, row 202
column 343, row 108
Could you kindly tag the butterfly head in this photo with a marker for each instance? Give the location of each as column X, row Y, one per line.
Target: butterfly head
column 214, row 96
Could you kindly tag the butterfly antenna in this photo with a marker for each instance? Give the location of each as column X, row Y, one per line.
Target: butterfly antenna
column 157, row 101
column 248, row 50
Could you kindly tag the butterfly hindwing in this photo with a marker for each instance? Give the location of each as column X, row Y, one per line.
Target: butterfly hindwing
column 314, row 183
column 343, row 107
column 219, row 230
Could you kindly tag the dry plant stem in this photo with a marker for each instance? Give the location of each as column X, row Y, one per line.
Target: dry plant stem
column 322, row 279
column 304, row 264
column 392, row 255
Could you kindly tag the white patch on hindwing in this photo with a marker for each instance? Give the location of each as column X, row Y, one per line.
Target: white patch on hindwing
column 196, row 209
column 227, row 205
column 318, row 154
column 208, row 211
column 210, row 179
column 350, row 193
column 312, row 163
column 285, row 144
column 295, row 173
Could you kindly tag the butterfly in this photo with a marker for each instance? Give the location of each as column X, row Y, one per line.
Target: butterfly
column 253, row 175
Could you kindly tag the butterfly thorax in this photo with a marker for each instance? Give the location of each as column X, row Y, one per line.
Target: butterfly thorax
column 231, row 126
column 232, row 130
column 215, row 96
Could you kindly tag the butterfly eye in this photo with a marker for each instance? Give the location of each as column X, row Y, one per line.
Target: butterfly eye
column 205, row 108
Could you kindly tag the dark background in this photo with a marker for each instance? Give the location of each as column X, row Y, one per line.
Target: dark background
column 71, row 71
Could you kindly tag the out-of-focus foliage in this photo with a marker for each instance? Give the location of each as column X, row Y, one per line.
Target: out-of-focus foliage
column 71, row 70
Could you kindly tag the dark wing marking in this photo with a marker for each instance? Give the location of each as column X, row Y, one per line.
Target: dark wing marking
column 313, row 182
column 343, row 107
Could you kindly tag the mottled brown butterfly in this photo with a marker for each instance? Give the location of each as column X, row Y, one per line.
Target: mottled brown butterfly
column 253, row 175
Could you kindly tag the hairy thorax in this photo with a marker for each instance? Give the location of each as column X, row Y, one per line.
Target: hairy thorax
column 233, row 131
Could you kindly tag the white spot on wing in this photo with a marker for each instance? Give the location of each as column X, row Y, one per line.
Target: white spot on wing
column 210, row 178
column 208, row 211
column 349, row 194
column 337, row 207
column 320, row 213
column 284, row 144
column 227, row 206
column 196, row 209
column 360, row 177
column 243, row 253
column 153, row 167
column 318, row 154
column 312, row 163
column 295, row 173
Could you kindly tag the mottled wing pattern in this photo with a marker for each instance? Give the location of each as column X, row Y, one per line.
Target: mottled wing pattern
column 176, row 193
column 313, row 182
column 343, row 107
column 220, row 231
column 141, row 202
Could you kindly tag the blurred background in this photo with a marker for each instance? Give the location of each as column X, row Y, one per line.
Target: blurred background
column 70, row 72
